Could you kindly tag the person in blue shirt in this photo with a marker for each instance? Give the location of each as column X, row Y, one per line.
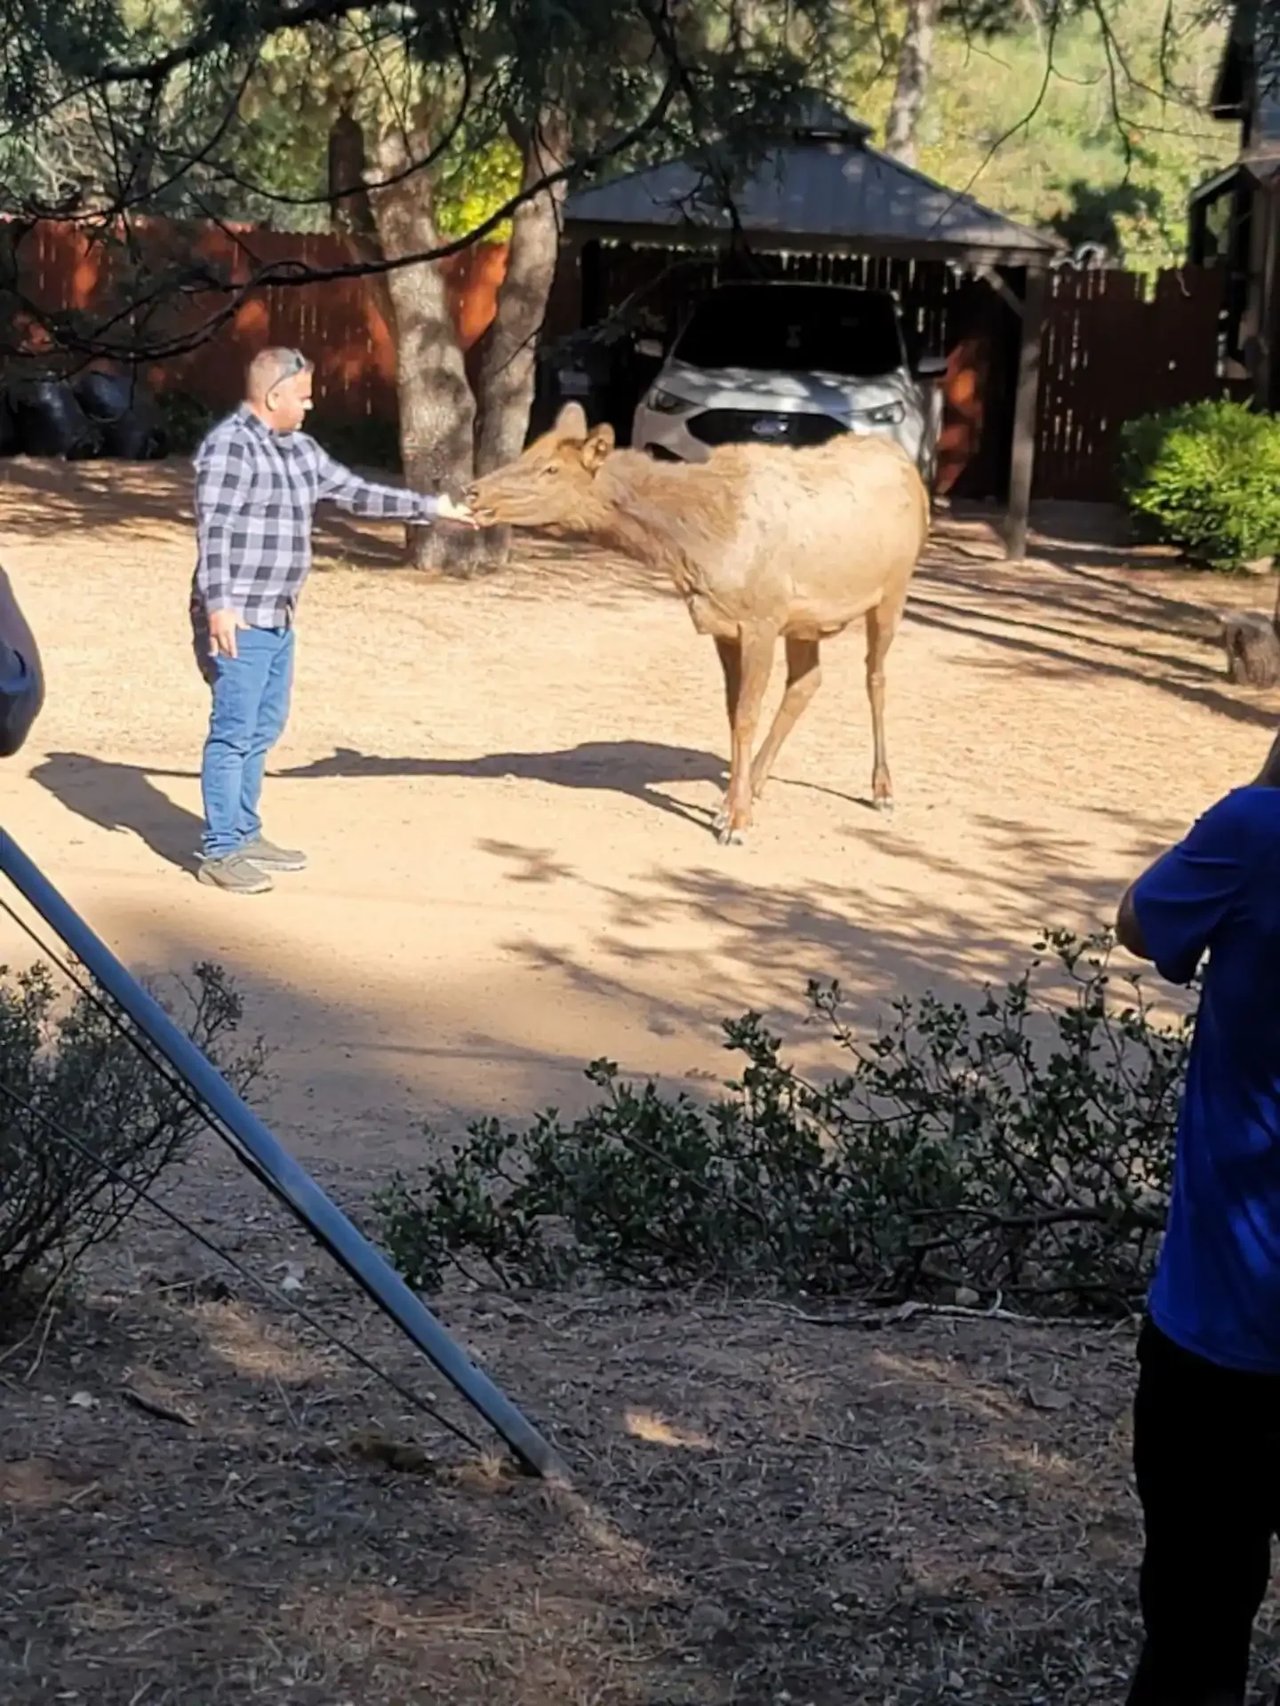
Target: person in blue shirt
column 21, row 673
column 1206, row 1445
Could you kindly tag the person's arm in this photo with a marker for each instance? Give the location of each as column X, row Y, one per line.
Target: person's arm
column 350, row 491
column 21, row 673
column 1171, row 913
column 224, row 479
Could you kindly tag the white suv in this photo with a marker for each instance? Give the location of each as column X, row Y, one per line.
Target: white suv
column 776, row 362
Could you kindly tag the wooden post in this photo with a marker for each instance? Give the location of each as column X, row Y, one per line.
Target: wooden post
column 1267, row 372
column 1023, row 458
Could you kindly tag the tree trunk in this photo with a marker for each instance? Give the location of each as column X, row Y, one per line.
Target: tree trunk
column 437, row 410
column 915, row 66
column 1253, row 650
column 508, row 364
column 351, row 215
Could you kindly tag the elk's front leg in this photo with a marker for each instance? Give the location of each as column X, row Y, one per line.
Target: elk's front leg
column 804, row 675
column 756, row 662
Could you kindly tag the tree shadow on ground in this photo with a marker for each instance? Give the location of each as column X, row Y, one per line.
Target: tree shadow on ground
column 1223, row 703
column 878, row 948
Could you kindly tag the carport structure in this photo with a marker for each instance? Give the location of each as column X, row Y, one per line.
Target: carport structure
column 817, row 200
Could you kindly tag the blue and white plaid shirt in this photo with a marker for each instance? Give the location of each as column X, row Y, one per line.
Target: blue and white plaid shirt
column 256, row 493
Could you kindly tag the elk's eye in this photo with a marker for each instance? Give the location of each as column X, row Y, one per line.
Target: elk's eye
column 551, row 468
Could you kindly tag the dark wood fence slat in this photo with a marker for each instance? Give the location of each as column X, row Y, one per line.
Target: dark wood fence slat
column 1115, row 350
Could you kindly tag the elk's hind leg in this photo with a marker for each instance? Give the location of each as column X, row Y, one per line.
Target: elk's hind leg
column 882, row 625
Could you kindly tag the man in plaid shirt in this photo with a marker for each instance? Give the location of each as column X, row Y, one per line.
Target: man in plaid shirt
column 258, row 480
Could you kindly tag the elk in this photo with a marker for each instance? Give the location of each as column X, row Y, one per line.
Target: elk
column 763, row 543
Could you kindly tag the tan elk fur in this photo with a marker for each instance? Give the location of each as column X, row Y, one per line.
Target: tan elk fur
column 763, row 543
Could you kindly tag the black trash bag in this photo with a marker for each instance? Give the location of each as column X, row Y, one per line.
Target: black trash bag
column 125, row 415
column 48, row 421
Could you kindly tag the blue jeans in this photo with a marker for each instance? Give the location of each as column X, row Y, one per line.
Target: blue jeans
column 250, row 707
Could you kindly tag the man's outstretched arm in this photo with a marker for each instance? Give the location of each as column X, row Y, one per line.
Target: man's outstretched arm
column 352, row 492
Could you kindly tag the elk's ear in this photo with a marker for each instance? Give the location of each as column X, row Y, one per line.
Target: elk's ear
column 571, row 423
column 600, row 443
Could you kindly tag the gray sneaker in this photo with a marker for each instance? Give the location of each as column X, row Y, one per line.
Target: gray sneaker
column 234, row 873
column 268, row 857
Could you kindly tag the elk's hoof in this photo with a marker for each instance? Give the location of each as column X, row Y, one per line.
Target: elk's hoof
column 885, row 808
column 729, row 835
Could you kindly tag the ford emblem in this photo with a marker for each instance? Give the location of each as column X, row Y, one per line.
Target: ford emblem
column 769, row 426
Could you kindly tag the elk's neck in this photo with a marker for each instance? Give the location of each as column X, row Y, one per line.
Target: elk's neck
column 648, row 510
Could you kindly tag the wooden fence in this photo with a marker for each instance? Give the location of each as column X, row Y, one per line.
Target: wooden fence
column 338, row 322
column 1113, row 348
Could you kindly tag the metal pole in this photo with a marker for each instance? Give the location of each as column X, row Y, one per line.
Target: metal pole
column 1022, row 463
column 271, row 1162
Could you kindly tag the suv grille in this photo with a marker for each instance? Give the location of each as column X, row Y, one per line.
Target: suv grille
column 742, row 426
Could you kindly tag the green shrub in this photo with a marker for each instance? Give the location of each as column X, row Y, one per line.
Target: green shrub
column 360, row 444
column 185, row 420
column 74, row 1070
column 1020, row 1147
column 1206, row 477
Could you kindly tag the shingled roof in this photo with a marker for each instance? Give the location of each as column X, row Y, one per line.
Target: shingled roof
column 818, row 186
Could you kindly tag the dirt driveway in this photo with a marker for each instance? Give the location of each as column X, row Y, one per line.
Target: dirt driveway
column 505, row 789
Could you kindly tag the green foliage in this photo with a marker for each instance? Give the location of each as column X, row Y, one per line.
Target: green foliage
column 74, row 1070
column 1021, row 1149
column 373, row 443
column 1089, row 120
column 185, row 420
column 473, row 184
column 1206, row 477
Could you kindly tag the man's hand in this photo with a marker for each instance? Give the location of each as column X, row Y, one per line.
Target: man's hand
column 222, row 632
column 447, row 510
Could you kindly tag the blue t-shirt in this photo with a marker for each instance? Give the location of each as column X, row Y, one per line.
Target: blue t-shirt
column 1217, row 1285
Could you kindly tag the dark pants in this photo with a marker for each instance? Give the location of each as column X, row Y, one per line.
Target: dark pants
column 250, row 707
column 1206, row 1455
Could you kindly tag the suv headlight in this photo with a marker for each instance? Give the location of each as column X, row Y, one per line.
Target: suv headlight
column 665, row 403
column 887, row 414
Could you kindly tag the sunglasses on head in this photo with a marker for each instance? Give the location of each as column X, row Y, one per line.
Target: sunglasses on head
column 292, row 363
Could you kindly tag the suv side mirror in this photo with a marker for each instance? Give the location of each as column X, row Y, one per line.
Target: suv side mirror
column 650, row 348
column 931, row 367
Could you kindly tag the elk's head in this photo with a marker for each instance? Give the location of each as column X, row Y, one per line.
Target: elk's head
column 551, row 484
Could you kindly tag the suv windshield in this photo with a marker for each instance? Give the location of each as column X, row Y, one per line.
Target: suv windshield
column 794, row 329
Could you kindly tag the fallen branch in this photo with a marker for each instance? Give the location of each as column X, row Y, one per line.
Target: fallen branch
column 154, row 1407
column 872, row 1320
